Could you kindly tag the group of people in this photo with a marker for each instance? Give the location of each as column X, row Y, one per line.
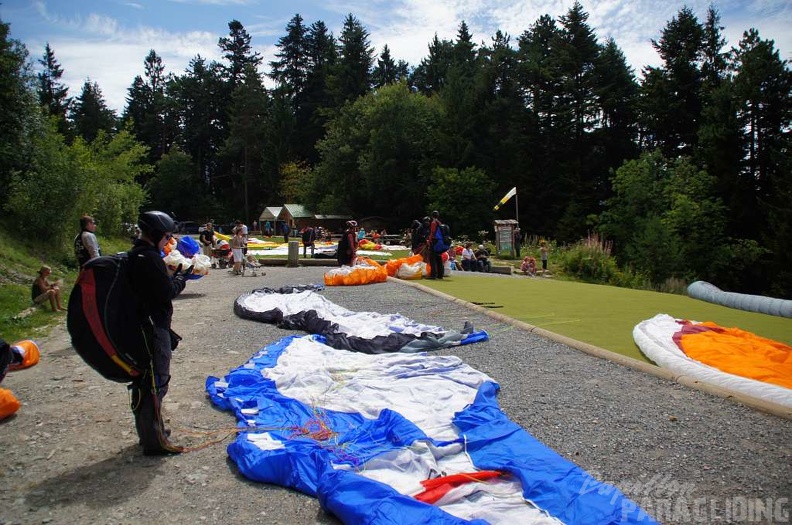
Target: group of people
column 477, row 260
column 421, row 236
column 239, row 246
column 86, row 247
column 155, row 287
column 429, row 238
column 528, row 265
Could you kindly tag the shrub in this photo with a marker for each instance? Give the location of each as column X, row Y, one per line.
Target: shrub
column 590, row 260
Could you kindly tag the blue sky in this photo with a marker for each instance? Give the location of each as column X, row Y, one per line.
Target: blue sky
column 106, row 40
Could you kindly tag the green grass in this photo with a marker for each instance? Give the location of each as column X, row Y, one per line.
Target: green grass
column 600, row 315
column 20, row 259
column 603, row 316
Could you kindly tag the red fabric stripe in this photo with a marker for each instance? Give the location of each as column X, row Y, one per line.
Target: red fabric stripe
column 91, row 309
column 436, row 488
column 690, row 328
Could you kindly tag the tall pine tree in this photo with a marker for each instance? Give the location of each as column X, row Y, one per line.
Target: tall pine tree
column 90, row 113
column 351, row 76
column 53, row 94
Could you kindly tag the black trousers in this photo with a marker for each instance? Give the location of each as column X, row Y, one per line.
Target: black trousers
column 436, row 264
column 148, row 391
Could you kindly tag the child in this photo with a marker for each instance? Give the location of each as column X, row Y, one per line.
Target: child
column 237, row 246
column 452, row 258
column 253, row 264
column 528, row 266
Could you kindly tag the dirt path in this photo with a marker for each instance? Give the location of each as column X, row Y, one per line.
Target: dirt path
column 70, row 455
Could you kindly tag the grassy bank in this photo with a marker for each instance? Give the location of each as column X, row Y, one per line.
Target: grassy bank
column 20, row 259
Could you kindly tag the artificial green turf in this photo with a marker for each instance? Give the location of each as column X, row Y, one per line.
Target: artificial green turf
column 603, row 316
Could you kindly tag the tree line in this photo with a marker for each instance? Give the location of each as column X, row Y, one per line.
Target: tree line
column 685, row 170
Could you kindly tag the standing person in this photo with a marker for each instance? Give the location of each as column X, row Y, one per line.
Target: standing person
column 285, row 229
column 255, row 226
column 347, row 246
column 415, row 237
column 241, row 226
column 543, row 250
column 237, row 250
column 207, row 240
column 435, row 258
column 423, row 238
column 86, row 247
column 517, row 240
column 155, row 289
column 44, row 290
column 268, row 229
column 308, row 240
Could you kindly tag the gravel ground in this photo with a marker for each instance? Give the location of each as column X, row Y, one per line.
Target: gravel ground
column 70, row 456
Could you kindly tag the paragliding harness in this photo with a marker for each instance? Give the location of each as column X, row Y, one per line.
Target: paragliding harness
column 102, row 320
column 442, row 240
column 106, row 332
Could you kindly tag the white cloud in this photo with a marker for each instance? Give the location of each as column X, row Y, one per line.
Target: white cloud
column 112, row 52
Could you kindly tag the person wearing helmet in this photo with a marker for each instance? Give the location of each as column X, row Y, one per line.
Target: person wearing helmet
column 155, row 289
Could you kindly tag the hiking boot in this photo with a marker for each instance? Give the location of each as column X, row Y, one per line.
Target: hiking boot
column 161, row 451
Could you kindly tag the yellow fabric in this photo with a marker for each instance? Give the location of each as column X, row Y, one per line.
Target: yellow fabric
column 253, row 243
column 740, row 353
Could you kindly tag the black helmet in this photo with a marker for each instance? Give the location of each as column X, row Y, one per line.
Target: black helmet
column 154, row 224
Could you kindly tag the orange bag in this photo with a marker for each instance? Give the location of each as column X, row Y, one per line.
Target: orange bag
column 8, row 403
column 30, row 354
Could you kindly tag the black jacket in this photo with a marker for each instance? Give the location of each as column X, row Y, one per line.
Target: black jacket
column 150, row 280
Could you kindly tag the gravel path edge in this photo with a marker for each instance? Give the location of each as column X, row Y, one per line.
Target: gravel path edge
column 754, row 402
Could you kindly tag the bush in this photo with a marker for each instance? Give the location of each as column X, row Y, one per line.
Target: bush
column 589, row 260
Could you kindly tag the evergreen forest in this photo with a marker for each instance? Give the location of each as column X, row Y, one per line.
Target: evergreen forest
column 683, row 169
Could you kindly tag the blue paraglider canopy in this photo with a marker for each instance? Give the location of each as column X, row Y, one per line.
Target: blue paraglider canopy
column 188, row 246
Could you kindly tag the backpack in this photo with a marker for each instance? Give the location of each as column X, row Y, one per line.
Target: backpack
column 102, row 320
column 442, row 238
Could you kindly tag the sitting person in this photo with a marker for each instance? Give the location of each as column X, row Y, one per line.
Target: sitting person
column 482, row 256
column 469, row 263
column 44, row 290
column 452, row 259
column 528, row 266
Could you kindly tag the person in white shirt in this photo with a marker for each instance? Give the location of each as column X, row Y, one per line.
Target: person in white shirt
column 469, row 263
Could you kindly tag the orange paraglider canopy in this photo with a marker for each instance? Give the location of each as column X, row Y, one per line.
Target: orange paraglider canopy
column 737, row 352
